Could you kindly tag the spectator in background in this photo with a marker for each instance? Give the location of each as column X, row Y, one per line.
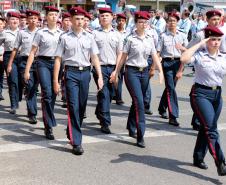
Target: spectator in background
column 198, row 24
column 184, row 24
column 159, row 23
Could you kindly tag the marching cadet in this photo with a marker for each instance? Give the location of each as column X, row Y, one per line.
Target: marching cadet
column 2, row 25
column 75, row 48
column 23, row 43
column 184, row 24
column 171, row 44
column 121, row 22
column 23, row 21
column 109, row 43
column 213, row 19
column 136, row 50
column 8, row 38
column 205, row 96
column 87, row 20
column 45, row 41
column 66, row 22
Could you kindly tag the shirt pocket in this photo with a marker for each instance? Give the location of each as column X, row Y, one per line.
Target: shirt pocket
column 134, row 48
column 100, row 43
column 113, row 42
column 86, row 46
column 69, row 49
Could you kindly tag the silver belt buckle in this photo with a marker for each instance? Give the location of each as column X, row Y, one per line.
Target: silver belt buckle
column 52, row 58
column 214, row 87
column 80, row 68
column 141, row 69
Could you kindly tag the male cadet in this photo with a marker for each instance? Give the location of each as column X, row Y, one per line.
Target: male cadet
column 87, row 20
column 121, row 23
column 171, row 44
column 159, row 23
column 66, row 22
column 75, row 48
column 184, row 23
column 23, row 21
column 109, row 42
column 213, row 19
column 2, row 25
column 23, row 43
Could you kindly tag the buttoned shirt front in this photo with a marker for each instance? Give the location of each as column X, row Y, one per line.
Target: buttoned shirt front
column 46, row 41
column 76, row 49
column 8, row 37
column 184, row 25
column 167, row 44
column 159, row 25
column 209, row 70
column 138, row 49
column 24, row 41
column 109, row 44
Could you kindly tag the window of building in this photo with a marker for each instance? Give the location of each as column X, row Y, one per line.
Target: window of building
column 145, row 8
column 170, row 7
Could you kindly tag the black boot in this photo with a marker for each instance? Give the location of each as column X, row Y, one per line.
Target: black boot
column 221, row 169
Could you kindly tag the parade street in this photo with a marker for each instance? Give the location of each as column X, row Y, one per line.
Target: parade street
column 27, row 158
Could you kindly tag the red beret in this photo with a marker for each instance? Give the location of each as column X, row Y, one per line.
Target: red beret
column 65, row 15
column 32, row 12
column 13, row 14
column 175, row 15
column 88, row 15
column 121, row 15
column 77, row 11
column 105, row 10
column 212, row 31
column 22, row 16
column 212, row 13
column 51, row 9
column 141, row 15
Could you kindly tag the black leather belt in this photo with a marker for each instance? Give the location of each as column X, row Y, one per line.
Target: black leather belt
column 24, row 57
column 7, row 52
column 137, row 68
column 108, row 65
column 207, row 87
column 46, row 58
column 170, row 59
column 75, row 68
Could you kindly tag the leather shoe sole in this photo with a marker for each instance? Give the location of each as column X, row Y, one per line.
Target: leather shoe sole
column 105, row 130
column 201, row 165
column 141, row 144
column 49, row 135
column 174, row 122
column 77, row 150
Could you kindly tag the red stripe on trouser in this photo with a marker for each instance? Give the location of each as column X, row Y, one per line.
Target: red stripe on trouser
column 135, row 102
column 205, row 126
column 69, row 118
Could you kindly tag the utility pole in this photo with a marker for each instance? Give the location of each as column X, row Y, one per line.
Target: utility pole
column 157, row 4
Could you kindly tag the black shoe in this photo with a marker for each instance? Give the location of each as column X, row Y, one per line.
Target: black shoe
column 200, row 164
column 221, row 169
column 49, row 133
column 163, row 115
column 148, row 111
column 105, row 129
column 77, row 150
column 173, row 121
column 132, row 134
column 196, row 127
column 1, row 97
column 32, row 120
column 141, row 143
column 12, row 111
column 119, row 102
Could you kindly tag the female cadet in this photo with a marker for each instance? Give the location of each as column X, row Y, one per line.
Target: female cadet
column 205, row 96
column 45, row 41
column 137, row 47
column 8, row 38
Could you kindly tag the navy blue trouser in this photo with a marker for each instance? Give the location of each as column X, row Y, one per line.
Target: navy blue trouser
column 30, row 87
column 147, row 98
column 14, row 81
column 169, row 96
column 137, row 84
column 77, row 89
column 45, row 75
column 207, row 105
column 104, row 96
column 1, row 76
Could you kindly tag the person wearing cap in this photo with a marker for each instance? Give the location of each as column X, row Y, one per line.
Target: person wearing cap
column 109, row 42
column 23, row 21
column 45, row 42
column 205, row 96
column 171, row 45
column 184, row 24
column 87, row 20
column 213, row 19
column 8, row 37
column 66, row 22
column 121, row 23
column 159, row 23
column 75, row 48
column 23, row 43
column 2, row 26
column 136, row 50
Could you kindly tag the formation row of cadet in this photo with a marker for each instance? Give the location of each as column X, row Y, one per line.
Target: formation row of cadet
column 46, row 50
